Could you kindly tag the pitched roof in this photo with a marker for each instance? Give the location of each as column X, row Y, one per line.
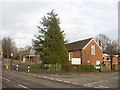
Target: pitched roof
column 77, row 45
column 32, row 51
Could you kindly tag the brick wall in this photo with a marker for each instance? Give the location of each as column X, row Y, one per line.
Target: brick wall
column 115, row 60
column 86, row 54
column 76, row 54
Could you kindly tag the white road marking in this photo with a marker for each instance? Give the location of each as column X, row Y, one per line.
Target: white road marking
column 88, row 85
column 44, row 77
column 75, row 83
column 96, row 82
column 24, row 86
column 66, row 81
column 93, row 84
column 51, row 78
column 55, row 79
column 102, row 81
column 96, row 87
column 38, row 76
column 85, row 85
column 4, row 78
column 102, row 87
column 58, row 80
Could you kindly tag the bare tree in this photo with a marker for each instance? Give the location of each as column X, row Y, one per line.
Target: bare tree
column 108, row 46
column 15, row 51
column 105, row 41
column 24, row 51
column 112, row 47
column 8, row 47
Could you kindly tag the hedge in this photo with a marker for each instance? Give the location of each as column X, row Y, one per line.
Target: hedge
column 78, row 68
column 69, row 67
column 51, row 66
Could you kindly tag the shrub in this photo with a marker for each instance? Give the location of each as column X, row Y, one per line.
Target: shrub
column 32, row 65
column 78, row 68
column 51, row 66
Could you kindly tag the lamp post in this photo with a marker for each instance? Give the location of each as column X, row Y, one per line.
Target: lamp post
column 11, row 58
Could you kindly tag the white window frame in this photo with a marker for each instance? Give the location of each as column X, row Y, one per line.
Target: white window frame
column 97, row 62
column 76, row 61
column 70, row 56
column 92, row 49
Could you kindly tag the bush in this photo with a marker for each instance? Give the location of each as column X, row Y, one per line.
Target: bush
column 104, row 68
column 32, row 65
column 78, row 68
column 51, row 66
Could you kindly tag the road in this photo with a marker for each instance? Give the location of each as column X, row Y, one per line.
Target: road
column 103, row 80
column 43, row 79
column 13, row 79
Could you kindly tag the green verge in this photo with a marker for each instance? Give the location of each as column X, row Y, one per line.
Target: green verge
column 31, row 65
column 63, row 68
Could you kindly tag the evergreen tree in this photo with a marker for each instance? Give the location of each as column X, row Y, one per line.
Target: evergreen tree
column 52, row 40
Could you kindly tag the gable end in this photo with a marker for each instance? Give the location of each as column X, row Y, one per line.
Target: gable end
column 90, row 42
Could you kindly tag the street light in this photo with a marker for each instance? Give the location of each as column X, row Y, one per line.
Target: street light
column 11, row 58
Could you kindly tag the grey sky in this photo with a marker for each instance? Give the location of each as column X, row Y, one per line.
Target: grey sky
column 80, row 19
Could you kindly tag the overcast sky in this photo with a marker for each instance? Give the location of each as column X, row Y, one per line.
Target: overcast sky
column 80, row 19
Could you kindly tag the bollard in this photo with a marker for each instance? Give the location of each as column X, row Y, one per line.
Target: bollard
column 28, row 68
column 6, row 67
column 17, row 67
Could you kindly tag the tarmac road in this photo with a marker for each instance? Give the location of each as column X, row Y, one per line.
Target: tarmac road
column 11, row 79
column 14, row 79
column 48, row 79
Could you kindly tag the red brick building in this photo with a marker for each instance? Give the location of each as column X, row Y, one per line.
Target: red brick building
column 110, row 61
column 32, row 58
column 85, row 52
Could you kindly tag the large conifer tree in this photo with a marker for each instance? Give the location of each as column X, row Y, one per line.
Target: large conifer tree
column 54, row 50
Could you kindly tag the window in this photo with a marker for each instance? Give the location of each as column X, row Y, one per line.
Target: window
column 70, row 56
column 103, row 58
column 76, row 61
column 97, row 62
column 93, row 49
column 108, row 58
